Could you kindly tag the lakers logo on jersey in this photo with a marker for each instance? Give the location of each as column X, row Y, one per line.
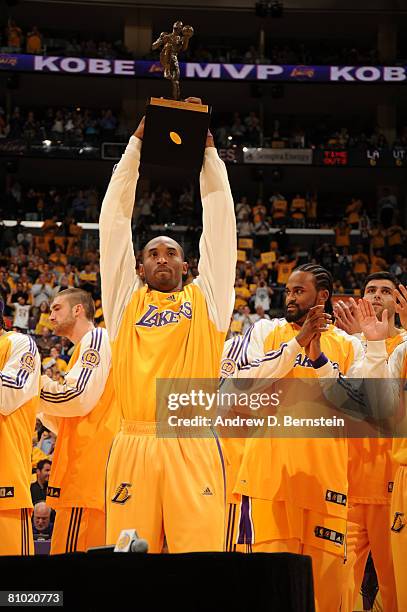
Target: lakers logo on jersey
column 227, row 368
column 90, row 359
column 398, row 522
column 27, row 362
column 122, row 494
column 153, row 318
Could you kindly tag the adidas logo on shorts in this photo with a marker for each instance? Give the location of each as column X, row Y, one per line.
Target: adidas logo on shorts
column 207, row 491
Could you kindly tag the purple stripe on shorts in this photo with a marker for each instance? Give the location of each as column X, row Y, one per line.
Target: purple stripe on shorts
column 245, row 524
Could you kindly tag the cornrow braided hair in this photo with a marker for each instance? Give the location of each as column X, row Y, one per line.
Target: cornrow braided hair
column 323, row 280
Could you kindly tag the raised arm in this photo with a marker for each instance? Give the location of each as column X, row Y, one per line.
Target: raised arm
column 217, row 246
column 117, row 260
column 84, row 384
column 19, row 379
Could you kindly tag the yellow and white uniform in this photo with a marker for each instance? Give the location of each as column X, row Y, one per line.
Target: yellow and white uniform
column 20, row 367
column 371, row 477
column 395, row 367
column 174, row 484
column 294, row 491
column 83, row 412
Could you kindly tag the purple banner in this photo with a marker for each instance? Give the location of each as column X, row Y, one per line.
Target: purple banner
column 210, row 71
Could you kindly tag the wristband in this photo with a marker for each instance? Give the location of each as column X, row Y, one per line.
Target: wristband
column 320, row 361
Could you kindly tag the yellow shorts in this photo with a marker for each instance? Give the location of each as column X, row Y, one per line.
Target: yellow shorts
column 233, row 451
column 398, row 526
column 368, row 529
column 254, row 521
column 174, row 486
column 77, row 529
column 16, row 532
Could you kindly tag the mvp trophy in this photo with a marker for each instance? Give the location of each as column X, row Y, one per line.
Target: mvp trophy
column 175, row 131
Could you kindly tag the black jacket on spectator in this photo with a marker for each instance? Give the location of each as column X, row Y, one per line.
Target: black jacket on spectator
column 37, row 493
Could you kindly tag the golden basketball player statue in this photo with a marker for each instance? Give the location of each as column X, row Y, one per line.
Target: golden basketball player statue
column 173, row 43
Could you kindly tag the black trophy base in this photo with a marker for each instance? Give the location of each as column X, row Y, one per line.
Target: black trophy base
column 174, row 138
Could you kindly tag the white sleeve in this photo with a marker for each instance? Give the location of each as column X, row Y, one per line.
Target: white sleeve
column 117, row 261
column 252, row 362
column 19, row 379
column 376, row 361
column 217, row 246
column 352, row 393
column 84, row 384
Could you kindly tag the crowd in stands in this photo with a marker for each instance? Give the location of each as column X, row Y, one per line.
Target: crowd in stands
column 84, row 125
column 71, row 125
column 34, row 40
column 290, row 132
column 284, row 52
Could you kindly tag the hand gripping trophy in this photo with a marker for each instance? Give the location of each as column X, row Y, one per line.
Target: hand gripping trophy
column 173, row 43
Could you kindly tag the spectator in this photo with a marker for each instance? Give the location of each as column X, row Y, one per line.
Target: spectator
column 262, row 232
column 39, row 487
column 378, row 263
column 41, row 291
column 54, row 359
column 4, row 287
column 360, row 263
column 88, row 279
column 262, row 296
column 19, row 291
column 396, row 267
column 279, row 207
column 79, row 205
column 42, row 525
column 46, row 443
column 284, row 269
column 34, row 41
column 353, row 213
column 298, row 210
column 395, row 235
column 14, row 37
column 245, row 227
column 387, row 207
column 342, row 235
column 145, row 206
column 43, row 321
column 242, row 209
column 259, row 314
column 45, row 341
column 244, row 318
column 21, row 313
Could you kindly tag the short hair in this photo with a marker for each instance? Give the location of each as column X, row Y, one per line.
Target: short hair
column 43, row 462
column 80, row 296
column 39, row 505
column 381, row 276
column 177, row 243
column 323, row 280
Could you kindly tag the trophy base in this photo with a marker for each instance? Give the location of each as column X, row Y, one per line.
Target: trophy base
column 174, row 137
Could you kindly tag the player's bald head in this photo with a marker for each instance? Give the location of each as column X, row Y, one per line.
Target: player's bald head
column 162, row 240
